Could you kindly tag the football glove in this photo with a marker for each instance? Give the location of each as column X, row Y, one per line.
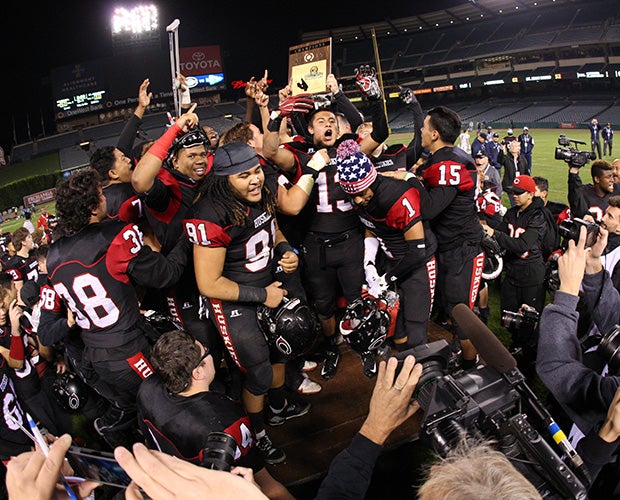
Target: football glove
column 301, row 103
column 379, row 288
column 366, row 80
column 406, row 95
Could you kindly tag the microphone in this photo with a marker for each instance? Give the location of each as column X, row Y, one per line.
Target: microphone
column 499, row 358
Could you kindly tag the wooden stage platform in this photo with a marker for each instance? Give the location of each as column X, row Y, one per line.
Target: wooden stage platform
column 337, row 413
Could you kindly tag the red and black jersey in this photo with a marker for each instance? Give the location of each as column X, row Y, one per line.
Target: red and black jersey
column 22, row 268
column 26, row 380
column 94, row 272
column 249, row 249
column 123, row 203
column 392, row 211
column 392, row 158
column 328, row 209
column 13, row 440
column 184, row 423
column 450, row 181
column 167, row 203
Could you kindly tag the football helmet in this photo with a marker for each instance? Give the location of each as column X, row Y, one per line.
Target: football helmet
column 291, row 328
column 70, row 391
column 366, row 322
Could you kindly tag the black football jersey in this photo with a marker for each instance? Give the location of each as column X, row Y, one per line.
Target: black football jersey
column 249, row 249
column 450, row 182
column 328, row 209
column 185, row 422
column 123, row 203
column 393, row 209
column 392, row 158
column 22, row 268
column 13, row 440
column 26, row 380
column 94, row 272
column 167, row 203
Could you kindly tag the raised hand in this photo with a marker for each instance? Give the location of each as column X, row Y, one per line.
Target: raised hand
column 366, row 80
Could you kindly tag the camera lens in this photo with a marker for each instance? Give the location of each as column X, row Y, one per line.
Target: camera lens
column 609, row 349
column 219, row 453
column 431, row 371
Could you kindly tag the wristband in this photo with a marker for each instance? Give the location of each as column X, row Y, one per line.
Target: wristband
column 162, row 145
column 283, row 247
column 306, row 183
column 251, row 294
column 408, row 175
column 16, row 350
column 274, row 122
column 317, row 162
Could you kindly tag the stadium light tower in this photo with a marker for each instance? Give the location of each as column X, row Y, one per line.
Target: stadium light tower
column 136, row 26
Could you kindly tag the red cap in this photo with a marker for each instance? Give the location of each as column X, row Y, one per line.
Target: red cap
column 524, row 183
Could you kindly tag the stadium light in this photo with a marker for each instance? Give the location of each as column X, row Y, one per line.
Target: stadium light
column 137, row 20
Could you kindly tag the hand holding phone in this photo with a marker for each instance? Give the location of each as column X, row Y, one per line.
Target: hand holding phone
column 29, row 475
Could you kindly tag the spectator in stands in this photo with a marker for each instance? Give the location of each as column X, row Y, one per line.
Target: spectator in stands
column 527, row 145
column 478, row 143
column 595, row 137
column 592, row 198
column 493, row 149
column 28, row 222
column 608, row 138
column 514, row 165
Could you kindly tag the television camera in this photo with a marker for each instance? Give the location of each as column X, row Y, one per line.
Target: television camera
column 493, row 402
column 570, row 152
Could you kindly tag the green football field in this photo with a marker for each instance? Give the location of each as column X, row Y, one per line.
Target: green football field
column 543, row 161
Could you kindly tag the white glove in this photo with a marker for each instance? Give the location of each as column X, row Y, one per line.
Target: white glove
column 372, row 276
column 378, row 288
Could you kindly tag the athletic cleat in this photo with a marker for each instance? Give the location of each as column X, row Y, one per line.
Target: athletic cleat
column 308, row 386
column 270, row 453
column 293, row 409
column 309, row 365
column 369, row 363
column 332, row 358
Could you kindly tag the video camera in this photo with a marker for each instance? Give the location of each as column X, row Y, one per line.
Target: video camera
column 482, row 403
column 570, row 229
column 571, row 154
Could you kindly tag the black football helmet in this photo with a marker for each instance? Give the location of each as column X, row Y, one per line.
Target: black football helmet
column 70, row 391
column 291, row 328
column 365, row 324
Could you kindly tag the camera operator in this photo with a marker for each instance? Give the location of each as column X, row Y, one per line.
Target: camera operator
column 591, row 198
column 575, row 379
column 521, row 234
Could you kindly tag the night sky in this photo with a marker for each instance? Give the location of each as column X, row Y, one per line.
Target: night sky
column 252, row 38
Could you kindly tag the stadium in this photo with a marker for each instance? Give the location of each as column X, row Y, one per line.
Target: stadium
column 549, row 65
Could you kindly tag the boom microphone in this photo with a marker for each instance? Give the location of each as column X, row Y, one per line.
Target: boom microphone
column 495, row 355
column 488, row 345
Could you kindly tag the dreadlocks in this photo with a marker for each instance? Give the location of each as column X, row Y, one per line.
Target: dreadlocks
column 226, row 204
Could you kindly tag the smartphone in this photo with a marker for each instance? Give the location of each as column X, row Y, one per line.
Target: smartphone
column 99, row 466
